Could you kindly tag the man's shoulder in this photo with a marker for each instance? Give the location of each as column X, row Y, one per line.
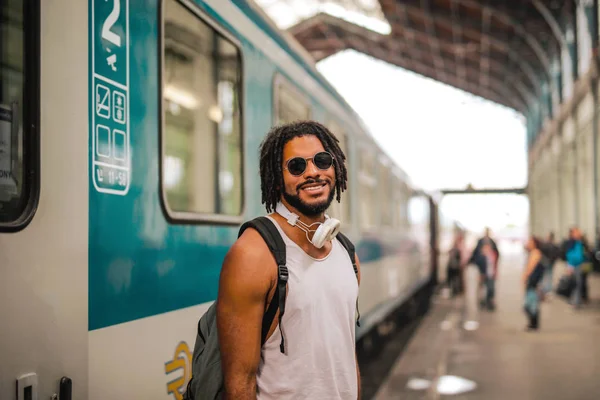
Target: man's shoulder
column 248, row 269
column 250, row 245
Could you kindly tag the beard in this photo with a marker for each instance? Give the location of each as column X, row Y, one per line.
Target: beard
column 310, row 210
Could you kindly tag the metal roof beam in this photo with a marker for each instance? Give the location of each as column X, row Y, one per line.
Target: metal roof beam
column 452, row 50
column 552, row 23
column 524, row 65
column 522, row 190
column 503, row 81
column 557, row 32
column 531, row 41
column 484, row 66
column 456, row 34
column 433, row 45
column 513, row 41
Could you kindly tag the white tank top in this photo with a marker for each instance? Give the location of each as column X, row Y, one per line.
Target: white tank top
column 318, row 326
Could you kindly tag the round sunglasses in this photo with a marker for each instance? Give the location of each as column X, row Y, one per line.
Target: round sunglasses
column 297, row 165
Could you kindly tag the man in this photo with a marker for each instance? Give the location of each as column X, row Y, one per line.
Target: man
column 575, row 252
column 302, row 169
column 488, row 266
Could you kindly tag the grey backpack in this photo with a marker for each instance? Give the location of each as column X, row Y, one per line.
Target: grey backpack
column 206, row 382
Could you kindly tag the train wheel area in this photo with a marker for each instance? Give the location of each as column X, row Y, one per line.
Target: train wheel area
column 378, row 349
column 442, row 354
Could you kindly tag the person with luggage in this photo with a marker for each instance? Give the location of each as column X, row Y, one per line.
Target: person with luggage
column 306, row 347
column 454, row 266
column 489, row 256
column 486, row 257
column 532, row 276
column 575, row 253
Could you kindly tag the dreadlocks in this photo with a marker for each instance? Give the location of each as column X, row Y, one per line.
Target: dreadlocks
column 271, row 154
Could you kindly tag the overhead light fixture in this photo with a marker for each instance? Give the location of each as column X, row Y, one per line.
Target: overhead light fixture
column 181, row 97
column 215, row 114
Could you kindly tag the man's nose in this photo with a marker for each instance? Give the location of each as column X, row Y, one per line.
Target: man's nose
column 311, row 169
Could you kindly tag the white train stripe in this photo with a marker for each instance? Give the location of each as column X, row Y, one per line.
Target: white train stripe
column 145, row 358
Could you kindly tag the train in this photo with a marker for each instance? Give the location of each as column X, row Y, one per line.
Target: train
column 128, row 161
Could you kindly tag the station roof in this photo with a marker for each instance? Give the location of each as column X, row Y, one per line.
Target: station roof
column 500, row 50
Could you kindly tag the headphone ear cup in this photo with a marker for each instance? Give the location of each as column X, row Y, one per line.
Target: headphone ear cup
column 333, row 226
column 318, row 239
column 325, row 232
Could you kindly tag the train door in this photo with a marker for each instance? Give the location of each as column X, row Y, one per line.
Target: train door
column 43, row 199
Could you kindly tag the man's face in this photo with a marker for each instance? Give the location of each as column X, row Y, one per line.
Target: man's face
column 307, row 188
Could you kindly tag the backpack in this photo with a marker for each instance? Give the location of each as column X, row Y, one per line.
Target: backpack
column 550, row 252
column 575, row 255
column 206, row 382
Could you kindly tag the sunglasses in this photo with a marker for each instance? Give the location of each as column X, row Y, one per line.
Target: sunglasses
column 297, row 165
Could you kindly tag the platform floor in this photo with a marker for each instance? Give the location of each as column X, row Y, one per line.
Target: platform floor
column 560, row 361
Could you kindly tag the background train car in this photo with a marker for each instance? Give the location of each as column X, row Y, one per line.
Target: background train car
column 132, row 159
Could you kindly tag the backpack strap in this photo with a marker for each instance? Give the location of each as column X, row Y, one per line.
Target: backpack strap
column 272, row 237
column 352, row 253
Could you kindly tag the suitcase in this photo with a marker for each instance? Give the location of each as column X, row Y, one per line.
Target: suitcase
column 565, row 286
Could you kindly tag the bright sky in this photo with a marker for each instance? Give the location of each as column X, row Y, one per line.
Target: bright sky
column 442, row 137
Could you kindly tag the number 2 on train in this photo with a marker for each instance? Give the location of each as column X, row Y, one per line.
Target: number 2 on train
column 110, row 21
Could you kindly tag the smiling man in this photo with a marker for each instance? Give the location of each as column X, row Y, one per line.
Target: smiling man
column 302, row 170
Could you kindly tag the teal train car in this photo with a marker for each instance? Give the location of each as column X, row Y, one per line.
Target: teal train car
column 129, row 159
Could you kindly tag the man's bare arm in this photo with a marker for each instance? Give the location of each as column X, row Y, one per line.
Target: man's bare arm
column 246, row 278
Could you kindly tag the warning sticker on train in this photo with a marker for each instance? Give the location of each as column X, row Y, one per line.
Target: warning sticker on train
column 109, row 133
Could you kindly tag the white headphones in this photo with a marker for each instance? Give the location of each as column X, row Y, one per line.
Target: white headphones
column 326, row 231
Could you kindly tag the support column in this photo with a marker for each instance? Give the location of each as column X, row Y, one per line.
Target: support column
column 530, row 193
column 544, row 195
column 595, row 156
column 532, row 209
column 554, row 184
column 559, row 195
column 575, row 161
column 567, row 158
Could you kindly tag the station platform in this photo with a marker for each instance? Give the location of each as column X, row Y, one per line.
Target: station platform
column 499, row 359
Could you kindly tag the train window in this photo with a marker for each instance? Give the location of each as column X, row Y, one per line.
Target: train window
column 290, row 105
column 367, row 194
column 402, row 209
column 384, row 192
column 400, row 204
column 397, row 200
column 202, row 170
column 341, row 210
column 19, row 115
